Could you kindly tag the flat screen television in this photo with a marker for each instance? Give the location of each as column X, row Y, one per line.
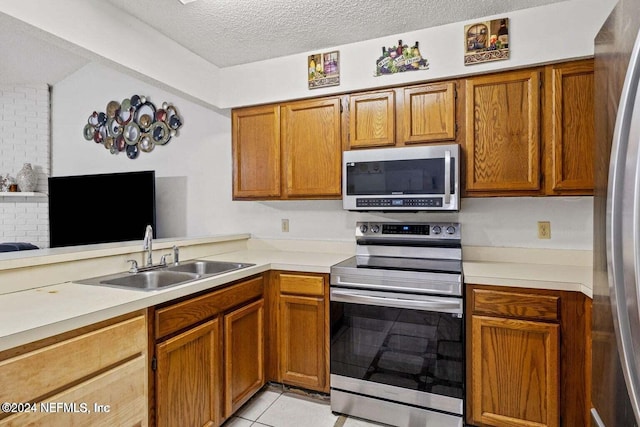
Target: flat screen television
column 104, row 208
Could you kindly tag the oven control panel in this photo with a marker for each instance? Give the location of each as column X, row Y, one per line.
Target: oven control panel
column 423, row 230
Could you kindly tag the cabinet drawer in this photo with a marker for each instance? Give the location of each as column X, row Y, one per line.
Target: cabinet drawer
column 301, row 284
column 123, row 389
column 186, row 313
column 41, row 372
column 516, row 304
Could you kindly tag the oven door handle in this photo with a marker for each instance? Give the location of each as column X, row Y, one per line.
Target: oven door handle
column 439, row 304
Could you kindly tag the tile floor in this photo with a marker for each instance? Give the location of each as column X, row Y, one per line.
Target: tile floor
column 278, row 407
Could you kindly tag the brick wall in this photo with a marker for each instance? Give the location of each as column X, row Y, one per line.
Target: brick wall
column 25, row 138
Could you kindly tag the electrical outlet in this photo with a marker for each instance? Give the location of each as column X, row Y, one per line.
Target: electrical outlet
column 544, row 229
column 285, row 225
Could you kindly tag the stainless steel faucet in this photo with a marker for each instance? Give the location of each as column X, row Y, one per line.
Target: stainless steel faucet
column 147, row 245
column 176, row 255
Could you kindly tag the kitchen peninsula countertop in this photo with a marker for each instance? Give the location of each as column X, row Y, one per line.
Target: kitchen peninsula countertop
column 33, row 314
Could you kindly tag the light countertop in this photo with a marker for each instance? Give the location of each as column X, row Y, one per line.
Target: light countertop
column 33, row 314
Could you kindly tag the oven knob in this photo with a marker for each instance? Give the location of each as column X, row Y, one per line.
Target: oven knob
column 364, row 228
column 375, row 228
column 451, row 229
column 436, row 229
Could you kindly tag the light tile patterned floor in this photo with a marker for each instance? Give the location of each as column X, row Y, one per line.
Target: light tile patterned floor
column 275, row 407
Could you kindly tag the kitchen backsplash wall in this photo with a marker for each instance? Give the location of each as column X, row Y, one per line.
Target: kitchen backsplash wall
column 25, row 138
column 195, row 171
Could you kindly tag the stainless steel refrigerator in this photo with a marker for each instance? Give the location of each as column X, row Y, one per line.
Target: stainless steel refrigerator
column 616, row 294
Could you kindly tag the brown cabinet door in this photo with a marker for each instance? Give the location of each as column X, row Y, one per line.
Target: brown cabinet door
column 503, row 133
column 372, row 119
column 569, row 128
column 302, row 341
column 515, row 374
column 256, row 152
column 429, row 113
column 187, row 378
column 244, row 354
column 312, row 148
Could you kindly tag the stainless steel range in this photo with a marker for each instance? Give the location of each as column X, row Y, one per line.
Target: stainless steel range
column 397, row 329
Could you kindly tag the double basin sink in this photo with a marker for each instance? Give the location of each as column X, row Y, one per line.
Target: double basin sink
column 166, row 276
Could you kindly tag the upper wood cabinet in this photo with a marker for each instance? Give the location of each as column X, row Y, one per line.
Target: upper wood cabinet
column 291, row 150
column 503, row 133
column 312, row 148
column 514, row 147
column 569, row 127
column 402, row 116
column 372, row 119
column 527, row 132
column 256, row 152
column 429, row 113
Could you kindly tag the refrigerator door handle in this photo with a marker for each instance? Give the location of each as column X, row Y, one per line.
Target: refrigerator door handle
column 622, row 222
column 595, row 417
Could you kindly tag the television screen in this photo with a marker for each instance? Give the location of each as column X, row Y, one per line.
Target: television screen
column 88, row 209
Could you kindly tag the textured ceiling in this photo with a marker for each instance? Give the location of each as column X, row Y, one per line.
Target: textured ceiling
column 231, row 32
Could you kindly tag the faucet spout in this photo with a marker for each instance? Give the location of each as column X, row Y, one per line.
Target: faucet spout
column 147, row 244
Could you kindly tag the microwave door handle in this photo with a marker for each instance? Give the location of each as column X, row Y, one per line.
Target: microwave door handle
column 447, row 177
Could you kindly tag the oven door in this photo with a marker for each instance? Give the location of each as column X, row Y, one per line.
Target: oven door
column 399, row 347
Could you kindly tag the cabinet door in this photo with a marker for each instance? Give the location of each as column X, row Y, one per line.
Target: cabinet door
column 372, row 119
column 256, row 152
column 312, row 148
column 302, row 341
column 244, row 354
column 569, row 128
column 429, row 113
column 503, row 133
column 187, row 378
column 514, row 375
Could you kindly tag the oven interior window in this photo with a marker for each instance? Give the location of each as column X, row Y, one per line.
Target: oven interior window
column 414, row 349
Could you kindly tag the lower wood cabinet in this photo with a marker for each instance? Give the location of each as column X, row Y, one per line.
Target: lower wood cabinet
column 187, row 379
column 300, row 320
column 515, row 381
column 103, row 364
column 528, row 358
column 244, row 354
column 208, row 354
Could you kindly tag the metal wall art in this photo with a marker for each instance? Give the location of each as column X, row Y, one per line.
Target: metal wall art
column 486, row 41
column 132, row 126
column 400, row 58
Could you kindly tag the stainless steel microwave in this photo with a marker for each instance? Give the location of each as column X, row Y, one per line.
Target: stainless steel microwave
column 424, row 178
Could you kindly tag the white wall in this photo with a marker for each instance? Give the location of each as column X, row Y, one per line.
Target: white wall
column 536, row 36
column 182, row 166
column 24, row 138
column 195, row 175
